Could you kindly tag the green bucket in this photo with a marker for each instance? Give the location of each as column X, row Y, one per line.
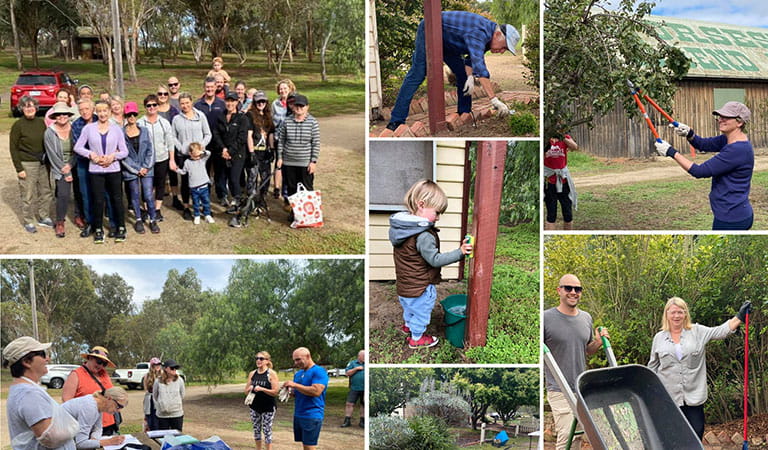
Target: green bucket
column 455, row 307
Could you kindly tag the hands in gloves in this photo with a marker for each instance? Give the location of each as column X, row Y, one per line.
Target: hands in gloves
column 665, row 149
column 469, row 86
column 500, row 107
column 682, row 130
column 745, row 309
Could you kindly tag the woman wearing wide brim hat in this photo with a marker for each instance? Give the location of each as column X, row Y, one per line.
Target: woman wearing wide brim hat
column 61, row 161
column 92, row 377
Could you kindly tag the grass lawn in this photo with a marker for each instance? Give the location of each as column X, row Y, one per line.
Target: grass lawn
column 341, row 94
column 660, row 205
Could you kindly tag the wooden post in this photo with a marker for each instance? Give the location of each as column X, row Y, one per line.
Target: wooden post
column 433, row 40
column 465, row 202
column 489, row 180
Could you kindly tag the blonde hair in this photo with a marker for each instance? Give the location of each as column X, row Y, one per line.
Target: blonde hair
column 268, row 356
column 428, row 193
column 680, row 303
column 218, row 60
column 115, row 393
column 287, row 82
column 152, row 376
column 195, row 148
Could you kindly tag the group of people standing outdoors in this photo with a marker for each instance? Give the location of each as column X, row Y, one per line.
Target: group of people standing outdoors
column 96, row 150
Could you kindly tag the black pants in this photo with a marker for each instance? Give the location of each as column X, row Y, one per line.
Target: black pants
column 161, row 172
column 184, row 178
column 111, row 184
column 695, row 416
column 171, row 423
column 293, row 175
column 552, row 197
column 234, row 175
column 112, row 430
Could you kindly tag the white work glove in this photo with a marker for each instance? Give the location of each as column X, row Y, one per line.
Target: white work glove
column 500, row 107
column 469, row 86
column 665, row 149
column 682, row 129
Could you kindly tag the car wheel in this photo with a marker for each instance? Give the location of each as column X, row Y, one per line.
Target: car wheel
column 56, row 383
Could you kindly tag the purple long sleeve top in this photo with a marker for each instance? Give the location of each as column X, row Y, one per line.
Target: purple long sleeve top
column 90, row 140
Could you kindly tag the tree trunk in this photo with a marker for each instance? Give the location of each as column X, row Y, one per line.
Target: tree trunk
column 310, row 41
column 16, row 47
column 279, row 67
column 34, row 50
column 327, row 39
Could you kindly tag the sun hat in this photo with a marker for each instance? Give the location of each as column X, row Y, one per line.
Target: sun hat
column 99, row 352
column 61, row 108
column 20, row 347
column 734, row 109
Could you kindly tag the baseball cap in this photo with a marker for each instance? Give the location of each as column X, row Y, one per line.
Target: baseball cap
column 231, row 95
column 131, row 107
column 155, row 361
column 259, row 95
column 511, row 35
column 171, row 363
column 300, row 100
column 20, row 347
column 734, row 109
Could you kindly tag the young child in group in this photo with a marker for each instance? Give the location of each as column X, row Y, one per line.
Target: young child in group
column 218, row 63
column 198, row 181
column 418, row 259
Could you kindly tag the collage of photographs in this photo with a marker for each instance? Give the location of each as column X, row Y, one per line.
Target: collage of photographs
column 383, row 225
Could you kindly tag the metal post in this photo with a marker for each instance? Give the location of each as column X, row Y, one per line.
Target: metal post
column 433, row 37
column 33, row 299
column 117, row 47
column 489, row 180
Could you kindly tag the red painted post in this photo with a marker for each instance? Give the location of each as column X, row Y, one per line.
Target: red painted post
column 489, row 180
column 433, row 37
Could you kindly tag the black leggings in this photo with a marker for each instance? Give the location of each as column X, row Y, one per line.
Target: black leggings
column 171, row 423
column 695, row 417
column 551, row 197
column 111, row 183
column 63, row 191
column 293, row 175
column 161, row 171
column 234, row 174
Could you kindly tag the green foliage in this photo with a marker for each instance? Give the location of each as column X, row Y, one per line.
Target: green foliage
column 627, row 280
column 451, row 408
column 517, row 13
column 390, row 388
column 523, row 124
column 532, row 47
column 343, row 23
column 430, row 433
column 389, row 433
column 585, row 77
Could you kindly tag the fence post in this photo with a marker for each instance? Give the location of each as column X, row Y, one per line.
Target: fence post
column 489, row 180
column 433, row 40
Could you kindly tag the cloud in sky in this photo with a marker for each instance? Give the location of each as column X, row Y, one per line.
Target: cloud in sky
column 147, row 276
column 750, row 13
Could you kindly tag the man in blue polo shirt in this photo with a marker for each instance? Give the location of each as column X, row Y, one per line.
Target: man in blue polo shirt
column 466, row 38
column 356, row 372
column 308, row 386
column 213, row 107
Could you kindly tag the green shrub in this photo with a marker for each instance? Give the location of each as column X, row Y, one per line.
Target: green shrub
column 451, row 408
column 430, row 433
column 523, row 123
column 390, row 433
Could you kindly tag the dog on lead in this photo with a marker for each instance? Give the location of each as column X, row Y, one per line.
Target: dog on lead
column 252, row 204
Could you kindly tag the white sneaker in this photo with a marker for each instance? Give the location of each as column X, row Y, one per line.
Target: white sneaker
column 209, row 219
column 196, row 220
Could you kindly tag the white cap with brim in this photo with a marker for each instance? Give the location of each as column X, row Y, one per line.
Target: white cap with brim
column 19, row 348
column 511, row 35
column 734, row 109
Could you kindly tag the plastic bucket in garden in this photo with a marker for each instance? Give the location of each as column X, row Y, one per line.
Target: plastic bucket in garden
column 455, row 307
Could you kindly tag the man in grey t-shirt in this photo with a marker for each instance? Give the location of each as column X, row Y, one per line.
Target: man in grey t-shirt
column 568, row 335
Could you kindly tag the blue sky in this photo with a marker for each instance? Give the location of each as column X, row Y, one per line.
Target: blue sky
column 147, row 276
column 750, row 13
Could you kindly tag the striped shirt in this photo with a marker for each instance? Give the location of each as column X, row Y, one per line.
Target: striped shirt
column 299, row 142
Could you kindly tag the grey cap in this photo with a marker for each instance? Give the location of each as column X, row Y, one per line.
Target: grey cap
column 734, row 109
column 259, row 95
column 511, row 35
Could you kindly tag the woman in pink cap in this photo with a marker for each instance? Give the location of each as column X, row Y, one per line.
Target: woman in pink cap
column 139, row 169
column 151, row 421
column 730, row 170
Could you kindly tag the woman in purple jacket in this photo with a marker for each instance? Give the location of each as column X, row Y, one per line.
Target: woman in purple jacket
column 730, row 170
column 103, row 143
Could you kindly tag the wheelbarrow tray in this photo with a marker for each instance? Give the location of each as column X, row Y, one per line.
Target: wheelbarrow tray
column 627, row 407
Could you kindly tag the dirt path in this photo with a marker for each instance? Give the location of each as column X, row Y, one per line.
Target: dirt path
column 658, row 172
column 340, row 177
column 220, row 411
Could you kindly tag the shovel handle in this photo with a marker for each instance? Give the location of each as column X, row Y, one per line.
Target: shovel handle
column 608, row 349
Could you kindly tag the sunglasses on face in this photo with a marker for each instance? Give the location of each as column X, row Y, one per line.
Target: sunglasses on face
column 132, row 114
column 576, row 289
column 162, row 94
column 151, row 105
column 261, row 101
column 261, row 358
column 101, row 362
column 172, row 84
column 119, row 406
column 40, row 353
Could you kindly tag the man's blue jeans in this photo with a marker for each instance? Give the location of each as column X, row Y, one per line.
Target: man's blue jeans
column 418, row 72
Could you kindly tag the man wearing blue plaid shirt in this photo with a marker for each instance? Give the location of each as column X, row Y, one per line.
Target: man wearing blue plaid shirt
column 466, row 38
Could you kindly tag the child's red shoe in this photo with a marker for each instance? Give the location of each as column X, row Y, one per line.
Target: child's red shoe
column 426, row 341
column 405, row 329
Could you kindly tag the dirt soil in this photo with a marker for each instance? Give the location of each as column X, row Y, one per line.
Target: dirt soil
column 656, row 171
column 218, row 410
column 340, row 177
column 507, row 71
column 385, row 315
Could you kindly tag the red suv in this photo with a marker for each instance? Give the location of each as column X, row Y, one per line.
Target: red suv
column 41, row 85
